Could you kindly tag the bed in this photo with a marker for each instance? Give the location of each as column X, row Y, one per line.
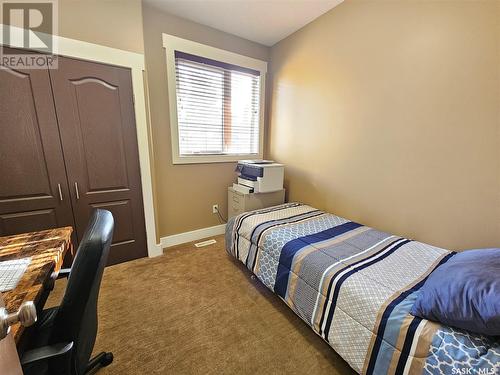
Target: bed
column 354, row 286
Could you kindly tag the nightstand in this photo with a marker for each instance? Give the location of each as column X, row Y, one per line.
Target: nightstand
column 238, row 202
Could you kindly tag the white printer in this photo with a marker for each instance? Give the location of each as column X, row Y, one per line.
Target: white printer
column 259, row 176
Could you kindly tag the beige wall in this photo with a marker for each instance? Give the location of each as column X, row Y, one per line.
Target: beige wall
column 112, row 23
column 184, row 194
column 387, row 113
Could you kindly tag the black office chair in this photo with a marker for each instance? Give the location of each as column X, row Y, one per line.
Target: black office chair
column 64, row 336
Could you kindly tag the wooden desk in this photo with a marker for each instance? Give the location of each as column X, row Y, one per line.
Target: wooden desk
column 47, row 250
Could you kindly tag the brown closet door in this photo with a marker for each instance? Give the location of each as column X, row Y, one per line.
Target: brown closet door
column 95, row 111
column 31, row 160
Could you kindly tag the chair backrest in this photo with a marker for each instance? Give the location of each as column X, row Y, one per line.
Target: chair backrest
column 76, row 317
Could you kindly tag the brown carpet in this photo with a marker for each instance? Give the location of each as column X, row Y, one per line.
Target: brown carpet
column 197, row 311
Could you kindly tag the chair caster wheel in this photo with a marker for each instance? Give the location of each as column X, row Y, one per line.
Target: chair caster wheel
column 103, row 359
column 107, row 359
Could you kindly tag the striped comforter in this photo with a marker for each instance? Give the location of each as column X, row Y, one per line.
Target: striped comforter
column 354, row 286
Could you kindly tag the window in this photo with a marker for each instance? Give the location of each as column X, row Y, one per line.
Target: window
column 217, row 107
column 216, row 103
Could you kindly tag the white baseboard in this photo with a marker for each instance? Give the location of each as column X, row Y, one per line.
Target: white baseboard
column 177, row 239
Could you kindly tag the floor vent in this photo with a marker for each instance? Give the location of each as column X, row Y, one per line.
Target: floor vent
column 205, row 243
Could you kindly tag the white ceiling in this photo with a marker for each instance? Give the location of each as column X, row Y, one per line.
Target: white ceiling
column 262, row 21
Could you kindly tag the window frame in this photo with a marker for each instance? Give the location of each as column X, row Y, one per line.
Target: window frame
column 171, row 44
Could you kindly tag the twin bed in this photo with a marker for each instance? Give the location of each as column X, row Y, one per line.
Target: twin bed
column 354, row 286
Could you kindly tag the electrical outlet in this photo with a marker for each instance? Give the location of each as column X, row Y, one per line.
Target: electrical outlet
column 215, row 208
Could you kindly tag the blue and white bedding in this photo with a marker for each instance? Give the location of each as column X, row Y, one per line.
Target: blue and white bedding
column 354, row 286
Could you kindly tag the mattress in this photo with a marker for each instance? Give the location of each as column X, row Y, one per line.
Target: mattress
column 354, row 286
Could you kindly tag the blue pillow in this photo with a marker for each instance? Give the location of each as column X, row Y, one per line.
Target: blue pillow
column 464, row 292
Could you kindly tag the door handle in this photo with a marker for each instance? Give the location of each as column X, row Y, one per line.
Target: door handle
column 26, row 315
column 76, row 191
column 60, row 192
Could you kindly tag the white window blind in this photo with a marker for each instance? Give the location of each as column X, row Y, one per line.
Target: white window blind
column 218, row 107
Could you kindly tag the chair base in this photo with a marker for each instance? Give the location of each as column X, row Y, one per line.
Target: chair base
column 101, row 360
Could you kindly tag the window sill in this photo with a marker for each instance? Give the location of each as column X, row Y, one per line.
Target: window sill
column 205, row 159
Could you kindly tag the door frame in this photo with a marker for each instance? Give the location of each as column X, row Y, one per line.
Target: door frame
column 135, row 62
